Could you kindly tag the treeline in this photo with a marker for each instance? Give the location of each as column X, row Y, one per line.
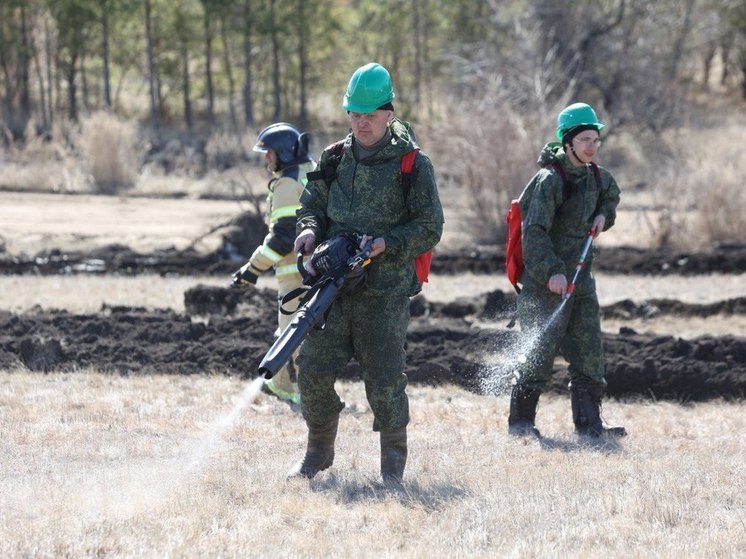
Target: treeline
column 237, row 63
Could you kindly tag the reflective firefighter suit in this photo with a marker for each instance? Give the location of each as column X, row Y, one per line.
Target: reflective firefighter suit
column 370, row 325
column 277, row 252
column 556, row 223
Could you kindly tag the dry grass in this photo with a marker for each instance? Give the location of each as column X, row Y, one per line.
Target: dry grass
column 485, row 159
column 108, row 146
column 34, row 222
column 161, row 466
column 693, row 194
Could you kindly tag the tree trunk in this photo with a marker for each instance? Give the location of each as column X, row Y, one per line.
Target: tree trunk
column 84, row 80
column 42, row 91
column 417, row 36
column 186, row 85
column 726, row 46
column 229, row 73
column 275, row 63
column 678, row 49
column 248, row 103
column 72, row 104
column 208, row 67
column 50, row 73
column 105, row 51
column 303, row 64
column 25, row 70
column 151, row 64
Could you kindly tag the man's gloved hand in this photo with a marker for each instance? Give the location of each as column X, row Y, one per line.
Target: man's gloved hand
column 245, row 276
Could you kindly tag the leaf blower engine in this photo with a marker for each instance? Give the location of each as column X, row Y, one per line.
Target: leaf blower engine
column 340, row 256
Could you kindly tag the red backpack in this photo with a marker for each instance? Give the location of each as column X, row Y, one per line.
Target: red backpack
column 408, row 174
column 514, row 265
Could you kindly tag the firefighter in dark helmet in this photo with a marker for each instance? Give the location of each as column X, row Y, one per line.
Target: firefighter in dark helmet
column 286, row 152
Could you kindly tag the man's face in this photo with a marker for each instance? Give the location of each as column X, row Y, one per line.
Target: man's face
column 368, row 128
column 585, row 146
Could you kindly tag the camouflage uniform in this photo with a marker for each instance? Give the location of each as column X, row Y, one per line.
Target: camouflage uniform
column 371, row 324
column 554, row 230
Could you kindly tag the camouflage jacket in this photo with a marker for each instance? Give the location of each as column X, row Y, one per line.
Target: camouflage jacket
column 556, row 224
column 367, row 197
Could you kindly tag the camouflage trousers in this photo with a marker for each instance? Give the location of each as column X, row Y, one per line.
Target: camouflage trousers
column 373, row 330
column 575, row 333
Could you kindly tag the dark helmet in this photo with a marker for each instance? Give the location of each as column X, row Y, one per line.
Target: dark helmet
column 287, row 142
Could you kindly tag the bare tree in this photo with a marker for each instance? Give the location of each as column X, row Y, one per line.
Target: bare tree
column 184, row 34
column 207, row 8
column 104, row 14
column 418, row 49
column 303, row 26
column 248, row 28
column 229, row 72
column 275, row 40
column 151, row 64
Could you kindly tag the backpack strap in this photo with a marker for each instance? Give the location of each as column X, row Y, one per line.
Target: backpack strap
column 328, row 172
column 409, row 170
column 597, row 174
column 567, row 185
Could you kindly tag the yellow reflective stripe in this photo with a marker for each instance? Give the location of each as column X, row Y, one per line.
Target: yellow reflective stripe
column 271, row 254
column 285, row 211
column 286, row 270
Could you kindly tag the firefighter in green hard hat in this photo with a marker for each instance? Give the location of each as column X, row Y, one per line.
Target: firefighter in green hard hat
column 570, row 197
column 357, row 188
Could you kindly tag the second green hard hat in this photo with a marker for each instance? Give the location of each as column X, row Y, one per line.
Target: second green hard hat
column 577, row 114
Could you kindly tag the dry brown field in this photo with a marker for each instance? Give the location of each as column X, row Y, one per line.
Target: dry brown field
column 170, row 466
column 163, row 465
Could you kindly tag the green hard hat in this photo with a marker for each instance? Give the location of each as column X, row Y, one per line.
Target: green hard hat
column 370, row 87
column 577, row 114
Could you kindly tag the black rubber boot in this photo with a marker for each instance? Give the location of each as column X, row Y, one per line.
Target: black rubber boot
column 586, row 412
column 523, row 402
column 319, row 452
column 393, row 455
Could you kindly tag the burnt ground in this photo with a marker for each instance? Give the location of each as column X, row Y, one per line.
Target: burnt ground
column 119, row 259
column 247, row 230
column 228, row 331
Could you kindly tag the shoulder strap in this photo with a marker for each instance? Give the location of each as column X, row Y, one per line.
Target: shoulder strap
column 566, row 180
column 408, row 170
column 597, row 174
column 328, row 172
column 566, row 184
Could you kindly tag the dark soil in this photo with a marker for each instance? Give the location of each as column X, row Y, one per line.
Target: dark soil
column 118, row 259
column 229, row 331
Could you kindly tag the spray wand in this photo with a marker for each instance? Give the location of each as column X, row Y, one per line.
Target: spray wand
column 581, row 264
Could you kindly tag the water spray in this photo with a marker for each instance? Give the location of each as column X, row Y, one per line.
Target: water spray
column 497, row 379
